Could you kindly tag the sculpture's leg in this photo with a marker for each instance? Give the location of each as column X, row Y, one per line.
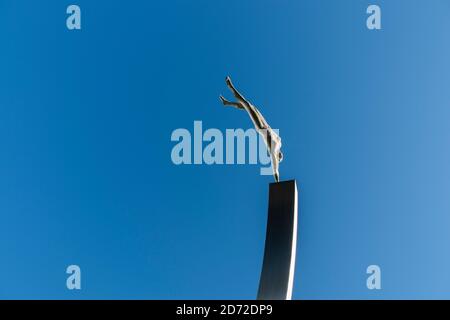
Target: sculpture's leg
column 234, row 91
column 277, row 275
column 229, row 103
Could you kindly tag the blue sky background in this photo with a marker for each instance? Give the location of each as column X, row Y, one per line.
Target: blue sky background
column 86, row 176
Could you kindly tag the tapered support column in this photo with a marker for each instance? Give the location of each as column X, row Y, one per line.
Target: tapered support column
column 277, row 275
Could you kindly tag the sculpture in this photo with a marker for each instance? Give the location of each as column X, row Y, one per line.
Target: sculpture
column 278, row 268
column 271, row 138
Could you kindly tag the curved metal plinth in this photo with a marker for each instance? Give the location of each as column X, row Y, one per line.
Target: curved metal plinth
column 277, row 275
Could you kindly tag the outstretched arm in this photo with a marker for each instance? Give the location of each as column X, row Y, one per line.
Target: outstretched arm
column 275, row 165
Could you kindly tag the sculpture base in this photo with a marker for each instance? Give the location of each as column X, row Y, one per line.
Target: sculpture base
column 277, row 275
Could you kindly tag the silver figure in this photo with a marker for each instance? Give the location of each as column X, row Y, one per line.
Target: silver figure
column 271, row 138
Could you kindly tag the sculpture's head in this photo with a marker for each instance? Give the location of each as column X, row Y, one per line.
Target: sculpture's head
column 280, row 156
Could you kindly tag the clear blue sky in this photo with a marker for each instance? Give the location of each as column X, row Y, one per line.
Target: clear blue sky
column 86, row 117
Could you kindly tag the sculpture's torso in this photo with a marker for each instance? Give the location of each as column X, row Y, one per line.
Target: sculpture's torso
column 269, row 135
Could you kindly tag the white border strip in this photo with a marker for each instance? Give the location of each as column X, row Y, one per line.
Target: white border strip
column 293, row 249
